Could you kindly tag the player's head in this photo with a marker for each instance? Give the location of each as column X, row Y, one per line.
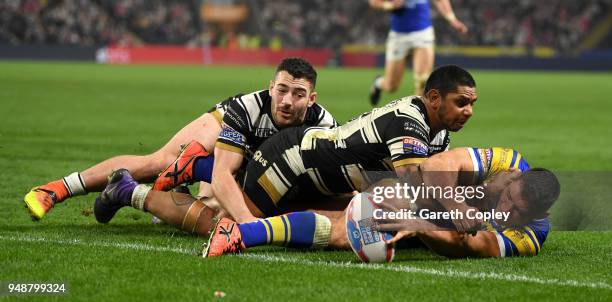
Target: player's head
column 451, row 93
column 292, row 91
column 529, row 196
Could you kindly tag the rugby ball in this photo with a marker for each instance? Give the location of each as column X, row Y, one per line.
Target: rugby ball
column 367, row 243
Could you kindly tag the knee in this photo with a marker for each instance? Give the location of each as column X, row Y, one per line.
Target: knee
column 161, row 158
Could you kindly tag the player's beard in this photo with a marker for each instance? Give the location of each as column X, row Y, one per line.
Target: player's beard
column 295, row 118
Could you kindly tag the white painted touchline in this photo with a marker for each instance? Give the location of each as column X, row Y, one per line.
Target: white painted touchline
column 264, row 257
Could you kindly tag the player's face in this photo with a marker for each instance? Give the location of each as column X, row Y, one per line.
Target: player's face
column 511, row 200
column 456, row 108
column 291, row 97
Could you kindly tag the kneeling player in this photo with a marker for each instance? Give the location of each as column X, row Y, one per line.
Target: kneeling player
column 239, row 124
column 526, row 194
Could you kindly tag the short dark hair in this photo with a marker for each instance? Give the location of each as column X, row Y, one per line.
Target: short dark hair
column 299, row 69
column 541, row 189
column 446, row 79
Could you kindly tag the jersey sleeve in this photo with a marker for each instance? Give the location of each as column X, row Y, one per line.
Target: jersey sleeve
column 234, row 128
column 525, row 241
column 219, row 109
column 407, row 140
column 326, row 119
column 490, row 161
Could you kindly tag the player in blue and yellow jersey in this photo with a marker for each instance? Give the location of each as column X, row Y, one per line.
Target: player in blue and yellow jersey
column 525, row 194
column 411, row 31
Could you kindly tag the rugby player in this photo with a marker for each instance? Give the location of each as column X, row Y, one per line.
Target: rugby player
column 240, row 124
column 525, row 193
column 325, row 163
column 411, row 30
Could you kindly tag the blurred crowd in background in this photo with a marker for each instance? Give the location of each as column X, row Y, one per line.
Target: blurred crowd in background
column 560, row 24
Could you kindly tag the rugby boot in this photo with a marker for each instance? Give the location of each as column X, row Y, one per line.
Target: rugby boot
column 181, row 170
column 116, row 195
column 41, row 199
column 375, row 92
column 225, row 239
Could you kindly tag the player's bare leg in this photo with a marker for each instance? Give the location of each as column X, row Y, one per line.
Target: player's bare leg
column 390, row 82
column 204, row 129
column 338, row 238
column 39, row 200
column 422, row 64
column 178, row 209
column 182, row 211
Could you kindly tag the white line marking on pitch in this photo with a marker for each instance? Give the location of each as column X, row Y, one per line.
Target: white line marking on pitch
column 429, row 271
column 367, row 266
column 133, row 246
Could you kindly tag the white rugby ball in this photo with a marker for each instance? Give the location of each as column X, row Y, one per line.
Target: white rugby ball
column 367, row 243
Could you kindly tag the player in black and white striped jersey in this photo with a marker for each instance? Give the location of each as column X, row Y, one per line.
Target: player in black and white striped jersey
column 276, row 111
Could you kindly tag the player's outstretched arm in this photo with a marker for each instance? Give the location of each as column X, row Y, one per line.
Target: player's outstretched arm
column 225, row 188
column 447, row 169
column 460, row 245
column 450, row 244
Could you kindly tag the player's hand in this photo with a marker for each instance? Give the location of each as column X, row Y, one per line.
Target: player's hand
column 467, row 225
column 400, row 235
column 459, row 26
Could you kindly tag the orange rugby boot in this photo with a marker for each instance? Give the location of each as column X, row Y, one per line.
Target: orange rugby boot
column 181, row 170
column 225, row 239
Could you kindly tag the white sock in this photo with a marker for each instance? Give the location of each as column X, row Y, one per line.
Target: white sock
column 139, row 195
column 75, row 184
column 378, row 82
column 322, row 233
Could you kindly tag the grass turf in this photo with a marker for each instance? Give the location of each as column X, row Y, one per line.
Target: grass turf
column 64, row 117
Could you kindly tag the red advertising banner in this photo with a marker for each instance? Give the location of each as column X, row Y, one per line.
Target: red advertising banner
column 207, row 55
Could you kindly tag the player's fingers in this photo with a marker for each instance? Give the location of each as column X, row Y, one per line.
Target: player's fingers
column 390, row 226
column 386, row 206
column 399, row 235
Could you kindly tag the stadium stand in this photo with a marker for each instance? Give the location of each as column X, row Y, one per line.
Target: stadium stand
column 561, row 24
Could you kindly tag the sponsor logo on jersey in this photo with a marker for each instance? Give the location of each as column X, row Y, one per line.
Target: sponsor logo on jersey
column 258, row 157
column 264, row 132
column 235, row 117
column 229, row 134
column 415, row 128
column 415, row 146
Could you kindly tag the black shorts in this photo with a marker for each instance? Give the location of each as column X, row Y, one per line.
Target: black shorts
column 275, row 179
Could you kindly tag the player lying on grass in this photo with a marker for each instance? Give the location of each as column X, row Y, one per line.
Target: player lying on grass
column 233, row 127
column 511, row 187
column 321, row 162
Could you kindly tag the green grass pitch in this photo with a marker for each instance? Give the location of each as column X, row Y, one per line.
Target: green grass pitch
column 63, row 117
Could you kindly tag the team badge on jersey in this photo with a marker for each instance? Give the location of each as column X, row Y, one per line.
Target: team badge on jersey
column 415, row 146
